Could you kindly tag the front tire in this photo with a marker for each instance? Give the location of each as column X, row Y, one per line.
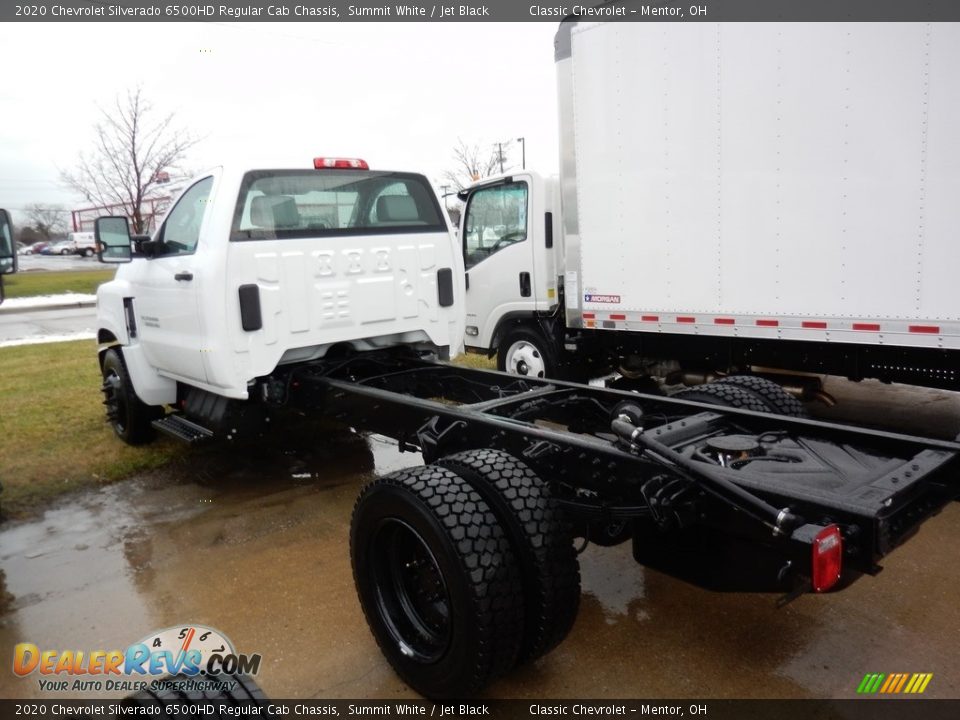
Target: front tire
column 526, row 352
column 127, row 414
column 437, row 581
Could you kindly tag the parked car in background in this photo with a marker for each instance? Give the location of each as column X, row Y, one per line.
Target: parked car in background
column 63, row 247
column 83, row 243
column 37, row 248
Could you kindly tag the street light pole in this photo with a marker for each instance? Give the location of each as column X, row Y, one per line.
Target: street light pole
column 523, row 151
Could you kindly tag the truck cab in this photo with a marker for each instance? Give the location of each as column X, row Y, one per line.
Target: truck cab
column 510, row 235
column 255, row 268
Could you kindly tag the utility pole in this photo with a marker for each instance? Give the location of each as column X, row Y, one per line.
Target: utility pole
column 523, row 152
column 500, row 155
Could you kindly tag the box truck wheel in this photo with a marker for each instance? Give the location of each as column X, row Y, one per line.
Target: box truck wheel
column 541, row 540
column 526, row 352
column 725, row 395
column 437, row 580
column 129, row 416
column 779, row 400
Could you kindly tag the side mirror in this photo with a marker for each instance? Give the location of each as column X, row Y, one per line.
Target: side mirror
column 113, row 240
column 8, row 251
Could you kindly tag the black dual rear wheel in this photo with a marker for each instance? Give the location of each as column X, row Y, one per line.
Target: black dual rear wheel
column 437, row 580
column 463, row 569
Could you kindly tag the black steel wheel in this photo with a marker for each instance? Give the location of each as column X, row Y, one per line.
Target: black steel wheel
column 725, row 395
column 541, row 539
column 437, row 581
column 129, row 416
column 779, row 400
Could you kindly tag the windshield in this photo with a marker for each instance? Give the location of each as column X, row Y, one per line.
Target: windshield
column 280, row 204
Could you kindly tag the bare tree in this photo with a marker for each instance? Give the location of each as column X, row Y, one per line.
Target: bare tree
column 475, row 162
column 134, row 151
column 47, row 220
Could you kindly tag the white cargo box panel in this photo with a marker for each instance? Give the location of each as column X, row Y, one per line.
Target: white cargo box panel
column 808, row 172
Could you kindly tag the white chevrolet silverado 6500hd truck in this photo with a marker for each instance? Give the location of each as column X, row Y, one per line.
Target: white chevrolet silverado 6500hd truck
column 339, row 290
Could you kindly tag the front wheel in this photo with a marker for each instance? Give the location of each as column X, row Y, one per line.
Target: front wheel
column 129, row 416
column 526, row 352
column 88, row 252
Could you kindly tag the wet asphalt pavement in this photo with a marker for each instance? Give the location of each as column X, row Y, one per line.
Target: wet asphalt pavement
column 254, row 542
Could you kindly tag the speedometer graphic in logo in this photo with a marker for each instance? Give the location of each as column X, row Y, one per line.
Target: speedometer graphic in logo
column 180, row 640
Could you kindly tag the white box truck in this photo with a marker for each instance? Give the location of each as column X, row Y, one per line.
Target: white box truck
column 732, row 195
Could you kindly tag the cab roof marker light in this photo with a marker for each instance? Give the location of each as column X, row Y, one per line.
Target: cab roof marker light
column 827, row 558
column 321, row 163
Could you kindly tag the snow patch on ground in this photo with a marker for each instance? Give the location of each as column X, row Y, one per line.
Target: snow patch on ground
column 40, row 339
column 40, row 301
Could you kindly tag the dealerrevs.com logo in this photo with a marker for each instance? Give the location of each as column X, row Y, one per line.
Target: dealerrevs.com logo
column 196, row 652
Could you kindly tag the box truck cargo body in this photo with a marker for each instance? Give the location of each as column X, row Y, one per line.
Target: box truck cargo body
column 735, row 194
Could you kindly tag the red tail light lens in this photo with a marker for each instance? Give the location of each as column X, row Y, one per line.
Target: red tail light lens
column 827, row 558
column 340, row 163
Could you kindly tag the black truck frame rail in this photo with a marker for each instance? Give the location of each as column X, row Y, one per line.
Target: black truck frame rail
column 665, row 465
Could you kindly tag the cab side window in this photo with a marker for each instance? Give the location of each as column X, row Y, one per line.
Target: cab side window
column 181, row 230
column 496, row 219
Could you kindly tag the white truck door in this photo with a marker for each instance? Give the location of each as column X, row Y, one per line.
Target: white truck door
column 167, row 298
column 498, row 254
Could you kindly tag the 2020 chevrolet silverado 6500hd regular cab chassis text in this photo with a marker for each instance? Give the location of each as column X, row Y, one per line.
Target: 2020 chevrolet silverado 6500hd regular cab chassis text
column 732, row 195
column 339, row 290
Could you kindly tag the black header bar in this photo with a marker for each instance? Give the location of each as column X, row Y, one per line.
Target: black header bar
column 482, row 11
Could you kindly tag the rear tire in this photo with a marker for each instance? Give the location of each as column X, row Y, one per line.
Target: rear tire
column 779, row 400
column 725, row 395
column 541, row 540
column 127, row 414
column 437, row 581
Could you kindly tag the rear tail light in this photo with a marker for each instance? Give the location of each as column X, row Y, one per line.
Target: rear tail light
column 827, row 558
column 341, row 163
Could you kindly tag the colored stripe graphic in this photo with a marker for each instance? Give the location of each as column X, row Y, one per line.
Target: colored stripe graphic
column 894, row 683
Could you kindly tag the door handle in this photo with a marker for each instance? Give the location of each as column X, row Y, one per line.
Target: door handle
column 524, row 284
column 183, row 276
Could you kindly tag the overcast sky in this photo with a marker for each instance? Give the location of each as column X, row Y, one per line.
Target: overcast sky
column 396, row 94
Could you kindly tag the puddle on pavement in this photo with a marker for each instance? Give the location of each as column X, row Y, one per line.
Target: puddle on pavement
column 102, row 568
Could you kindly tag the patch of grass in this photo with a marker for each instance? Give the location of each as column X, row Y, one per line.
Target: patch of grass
column 30, row 284
column 53, row 437
column 472, row 360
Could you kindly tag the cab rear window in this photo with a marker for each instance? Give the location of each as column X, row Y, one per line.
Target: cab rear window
column 281, row 204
